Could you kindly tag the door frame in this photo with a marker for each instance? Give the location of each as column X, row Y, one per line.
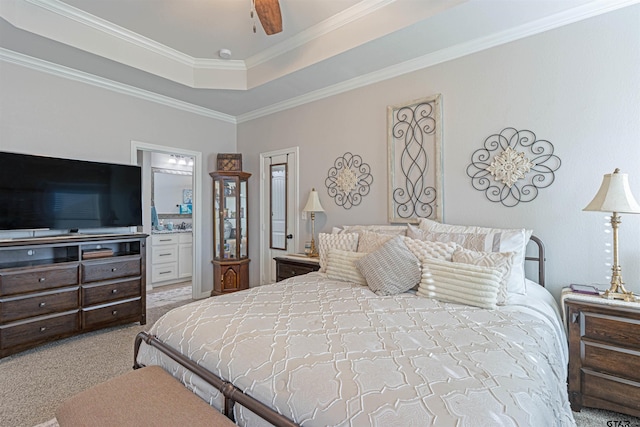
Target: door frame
column 196, row 216
column 293, row 179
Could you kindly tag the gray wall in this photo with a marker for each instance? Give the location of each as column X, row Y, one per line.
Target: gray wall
column 576, row 86
column 48, row 115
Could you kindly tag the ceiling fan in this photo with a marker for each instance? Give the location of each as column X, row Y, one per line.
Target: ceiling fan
column 268, row 12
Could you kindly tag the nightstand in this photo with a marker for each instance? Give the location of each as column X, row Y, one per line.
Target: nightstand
column 604, row 353
column 295, row 266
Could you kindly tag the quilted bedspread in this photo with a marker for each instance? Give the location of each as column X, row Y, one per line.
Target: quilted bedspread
column 331, row 353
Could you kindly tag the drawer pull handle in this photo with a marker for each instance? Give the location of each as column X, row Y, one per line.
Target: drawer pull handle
column 113, row 269
column 42, row 304
column 165, row 240
column 167, row 254
column 42, row 279
column 43, row 328
column 114, row 291
column 165, row 272
column 114, row 312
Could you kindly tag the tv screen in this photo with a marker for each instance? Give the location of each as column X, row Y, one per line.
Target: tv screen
column 39, row 192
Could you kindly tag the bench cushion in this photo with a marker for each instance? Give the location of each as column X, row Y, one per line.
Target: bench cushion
column 144, row 397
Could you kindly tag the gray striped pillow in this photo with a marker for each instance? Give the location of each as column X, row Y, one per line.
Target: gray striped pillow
column 391, row 269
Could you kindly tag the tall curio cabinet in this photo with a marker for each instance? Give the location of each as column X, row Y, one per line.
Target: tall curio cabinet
column 230, row 231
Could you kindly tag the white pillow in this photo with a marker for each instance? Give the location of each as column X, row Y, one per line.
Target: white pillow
column 460, row 283
column 487, row 240
column 426, row 249
column 500, row 260
column 390, row 270
column 342, row 241
column 369, row 241
column 341, row 266
column 382, row 229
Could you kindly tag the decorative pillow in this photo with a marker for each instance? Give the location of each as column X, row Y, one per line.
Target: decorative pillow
column 382, row 229
column 368, row 241
column 460, row 283
column 390, row 270
column 341, row 266
column 343, row 241
column 487, row 240
column 501, row 260
column 427, row 249
column 432, row 236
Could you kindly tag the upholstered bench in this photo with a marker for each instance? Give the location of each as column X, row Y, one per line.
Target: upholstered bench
column 144, row 397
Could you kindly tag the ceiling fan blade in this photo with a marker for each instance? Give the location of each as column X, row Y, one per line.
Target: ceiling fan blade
column 270, row 17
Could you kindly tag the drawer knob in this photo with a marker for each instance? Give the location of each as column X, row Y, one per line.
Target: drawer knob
column 114, row 312
column 114, row 291
column 42, row 304
column 42, row 279
column 43, row 328
column 113, row 269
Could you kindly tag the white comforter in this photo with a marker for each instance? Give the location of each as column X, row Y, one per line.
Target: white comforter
column 329, row 353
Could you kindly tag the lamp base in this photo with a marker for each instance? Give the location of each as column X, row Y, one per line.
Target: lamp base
column 627, row 296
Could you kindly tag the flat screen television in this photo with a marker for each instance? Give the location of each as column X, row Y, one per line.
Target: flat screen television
column 39, row 192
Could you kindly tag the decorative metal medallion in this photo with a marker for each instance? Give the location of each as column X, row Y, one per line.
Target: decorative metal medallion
column 414, row 143
column 520, row 166
column 349, row 180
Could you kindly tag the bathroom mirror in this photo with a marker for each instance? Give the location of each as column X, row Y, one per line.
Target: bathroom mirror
column 278, row 206
column 171, row 192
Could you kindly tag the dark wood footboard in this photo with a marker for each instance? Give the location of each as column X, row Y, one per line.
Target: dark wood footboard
column 231, row 393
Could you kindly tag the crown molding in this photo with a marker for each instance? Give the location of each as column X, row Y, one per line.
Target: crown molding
column 87, row 78
column 341, row 19
column 549, row 23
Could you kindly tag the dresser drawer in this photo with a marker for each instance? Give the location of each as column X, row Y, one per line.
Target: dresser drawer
column 111, row 269
column 41, row 329
column 100, row 294
column 611, row 329
column 162, row 254
column 126, row 311
column 18, row 281
column 22, row 307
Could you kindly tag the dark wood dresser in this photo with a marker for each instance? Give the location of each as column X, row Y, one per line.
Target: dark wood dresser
column 289, row 266
column 51, row 288
column 604, row 355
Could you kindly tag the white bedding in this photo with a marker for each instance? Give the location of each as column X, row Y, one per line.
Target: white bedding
column 326, row 353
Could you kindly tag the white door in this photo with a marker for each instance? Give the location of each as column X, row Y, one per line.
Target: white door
column 279, row 220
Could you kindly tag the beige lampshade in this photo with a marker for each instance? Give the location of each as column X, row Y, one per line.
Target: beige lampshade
column 313, row 202
column 614, row 195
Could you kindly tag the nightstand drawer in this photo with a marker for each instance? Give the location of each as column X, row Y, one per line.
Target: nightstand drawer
column 611, row 389
column 614, row 360
column 286, row 271
column 288, row 267
column 612, row 329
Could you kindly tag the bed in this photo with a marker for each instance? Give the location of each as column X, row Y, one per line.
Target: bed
column 321, row 350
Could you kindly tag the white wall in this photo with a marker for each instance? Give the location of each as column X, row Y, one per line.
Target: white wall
column 49, row 115
column 576, row 86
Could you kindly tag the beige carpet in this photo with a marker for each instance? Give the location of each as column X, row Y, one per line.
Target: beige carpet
column 34, row 383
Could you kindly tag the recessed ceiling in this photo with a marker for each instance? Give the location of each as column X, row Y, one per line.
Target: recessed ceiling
column 170, row 47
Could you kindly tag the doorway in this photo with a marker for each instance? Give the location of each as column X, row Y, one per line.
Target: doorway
column 278, row 227
column 140, row 152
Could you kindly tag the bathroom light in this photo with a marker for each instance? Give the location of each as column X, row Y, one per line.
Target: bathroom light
column 172, row 160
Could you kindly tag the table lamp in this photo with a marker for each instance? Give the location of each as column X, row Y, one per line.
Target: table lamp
column 313, row 205
column 615, row 196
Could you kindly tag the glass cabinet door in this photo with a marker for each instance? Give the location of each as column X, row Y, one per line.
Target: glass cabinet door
column 243, row 219
column 217, row 212
column 230, row 216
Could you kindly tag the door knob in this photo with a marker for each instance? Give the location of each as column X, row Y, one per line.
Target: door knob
column 289, row 236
